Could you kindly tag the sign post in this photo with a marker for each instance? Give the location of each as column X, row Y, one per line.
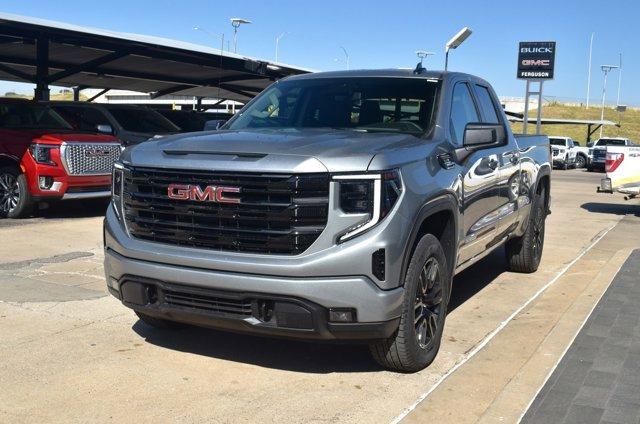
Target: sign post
column 536, row 63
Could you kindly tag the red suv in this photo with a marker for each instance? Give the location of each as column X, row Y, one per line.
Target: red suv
column 42, row 158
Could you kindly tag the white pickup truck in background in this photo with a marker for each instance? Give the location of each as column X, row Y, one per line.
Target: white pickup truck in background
column 598, row 151
column 622, row 165
column 567, row 153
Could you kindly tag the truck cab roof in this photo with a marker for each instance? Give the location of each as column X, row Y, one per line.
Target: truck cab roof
column 386, row 73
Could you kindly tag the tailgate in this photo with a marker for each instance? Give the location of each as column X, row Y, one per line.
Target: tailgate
column 623, row 169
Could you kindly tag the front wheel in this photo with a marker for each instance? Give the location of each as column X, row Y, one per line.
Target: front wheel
column 581, row 161
column 15, row 199
column 427, row 289
column 524, row 253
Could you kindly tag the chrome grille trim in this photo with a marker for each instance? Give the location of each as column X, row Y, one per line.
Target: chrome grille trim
column 76, row 160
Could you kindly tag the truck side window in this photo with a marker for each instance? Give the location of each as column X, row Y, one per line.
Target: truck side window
column 486, row 105
column 463, row 111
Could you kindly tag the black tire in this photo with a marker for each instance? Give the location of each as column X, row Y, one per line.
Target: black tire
column 524, row 253
column 416, row 342
column 15, row 199
column 581, row 161
column 159, row 323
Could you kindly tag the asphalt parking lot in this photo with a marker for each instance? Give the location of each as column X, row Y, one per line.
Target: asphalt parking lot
column 70, row 352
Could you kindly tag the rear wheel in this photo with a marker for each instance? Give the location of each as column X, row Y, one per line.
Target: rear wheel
column 427, row 288
column 15, row 199
column 524, row 253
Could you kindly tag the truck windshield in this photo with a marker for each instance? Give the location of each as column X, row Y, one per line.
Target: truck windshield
column 610, row 142
column 557, row 142
column 30, row 116
column 142, row 120
column 371, row 104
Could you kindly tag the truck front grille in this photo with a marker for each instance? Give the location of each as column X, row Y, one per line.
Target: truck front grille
column 209, row 303
column 276, row 213
column 89, row 158
column 599, row 154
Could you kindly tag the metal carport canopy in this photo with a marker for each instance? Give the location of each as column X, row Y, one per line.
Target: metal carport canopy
column 46, row 53
column 592, row 124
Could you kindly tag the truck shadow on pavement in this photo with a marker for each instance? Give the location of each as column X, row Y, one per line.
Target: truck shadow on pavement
column 630, row 207
column 301, row 356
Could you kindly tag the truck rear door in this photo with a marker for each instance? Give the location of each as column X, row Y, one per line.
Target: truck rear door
column 508, row 163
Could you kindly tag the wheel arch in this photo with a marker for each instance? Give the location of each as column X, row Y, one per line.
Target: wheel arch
column 9, row 160
column 544, row 181
column 437, row 216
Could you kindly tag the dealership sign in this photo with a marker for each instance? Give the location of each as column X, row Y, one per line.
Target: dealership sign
column 536, row 60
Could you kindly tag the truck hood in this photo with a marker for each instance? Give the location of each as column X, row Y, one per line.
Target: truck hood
column 282, row 150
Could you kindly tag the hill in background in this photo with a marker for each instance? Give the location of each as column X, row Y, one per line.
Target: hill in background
column 56, row 96
column 629, row 121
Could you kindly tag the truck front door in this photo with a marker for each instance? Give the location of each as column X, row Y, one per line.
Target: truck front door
column 480, row 188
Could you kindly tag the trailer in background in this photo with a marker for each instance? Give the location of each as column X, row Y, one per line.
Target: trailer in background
column 623, row 171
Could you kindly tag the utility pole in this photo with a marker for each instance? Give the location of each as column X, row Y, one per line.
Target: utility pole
column 619, row 79
column 278, row 43
column 235, row 23
column 346, row 55
column 589, row 70
column 605, row 70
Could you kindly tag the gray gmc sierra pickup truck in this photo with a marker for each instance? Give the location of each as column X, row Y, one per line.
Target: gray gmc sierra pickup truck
column 336, row 206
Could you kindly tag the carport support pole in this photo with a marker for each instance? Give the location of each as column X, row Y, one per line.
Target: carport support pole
column 76, row 94
column 539, row 108
column 42, row 69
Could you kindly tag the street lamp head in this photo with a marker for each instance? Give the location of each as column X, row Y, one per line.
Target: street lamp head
column 458, row 39
column 607, row 68
column 236, row 22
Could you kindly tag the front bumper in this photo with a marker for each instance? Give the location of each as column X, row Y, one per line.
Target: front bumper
column 268, row 305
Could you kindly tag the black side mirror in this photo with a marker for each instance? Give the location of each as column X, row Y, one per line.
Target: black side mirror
column 479, row 135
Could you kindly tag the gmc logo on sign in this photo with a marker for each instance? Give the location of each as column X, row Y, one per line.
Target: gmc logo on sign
column 208, row 194
column 96, row 152
column 540, row 62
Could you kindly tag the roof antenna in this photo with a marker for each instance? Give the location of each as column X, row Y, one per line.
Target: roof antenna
column 422, row 54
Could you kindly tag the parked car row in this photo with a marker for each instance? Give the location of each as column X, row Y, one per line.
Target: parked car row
column 66, row 150
column 567, row 153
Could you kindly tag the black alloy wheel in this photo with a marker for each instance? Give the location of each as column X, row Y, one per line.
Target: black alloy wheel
column 428, row 304
column 9, row 193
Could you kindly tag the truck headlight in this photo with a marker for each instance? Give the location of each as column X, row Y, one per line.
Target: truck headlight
column 41, row 153
column 117, row 182
column 370, row 195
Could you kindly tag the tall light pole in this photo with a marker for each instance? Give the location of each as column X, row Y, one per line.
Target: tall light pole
column 589, row 70
column 605, row 70
column 235, row 23
column 346, row 55
column 619, row 79
column 278, row 43
column 220, row 36
column 454, row 43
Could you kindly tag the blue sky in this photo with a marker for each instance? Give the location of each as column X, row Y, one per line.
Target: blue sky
column 387, row 33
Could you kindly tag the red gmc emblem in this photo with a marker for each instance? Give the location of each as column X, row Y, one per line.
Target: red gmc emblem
column 208, row 194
